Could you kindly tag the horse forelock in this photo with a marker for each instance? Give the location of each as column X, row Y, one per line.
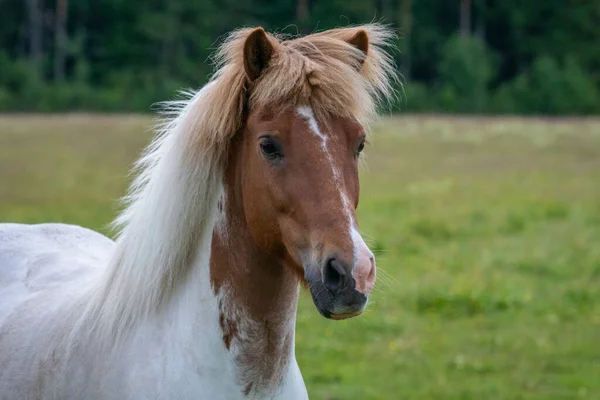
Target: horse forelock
column 322, row 69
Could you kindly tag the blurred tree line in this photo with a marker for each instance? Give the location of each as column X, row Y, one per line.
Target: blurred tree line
column 484, row 56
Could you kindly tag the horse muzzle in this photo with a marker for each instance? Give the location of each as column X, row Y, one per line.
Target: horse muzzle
column 340, row 291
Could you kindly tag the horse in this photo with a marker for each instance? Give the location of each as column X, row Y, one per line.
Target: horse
column 246, row 194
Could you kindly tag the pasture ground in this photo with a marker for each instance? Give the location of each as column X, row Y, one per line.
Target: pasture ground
column 487, row 232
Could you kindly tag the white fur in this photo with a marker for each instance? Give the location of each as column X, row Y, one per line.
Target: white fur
column 82, row 317
column 363, row 263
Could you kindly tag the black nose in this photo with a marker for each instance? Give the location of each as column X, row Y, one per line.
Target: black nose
column 335, row 276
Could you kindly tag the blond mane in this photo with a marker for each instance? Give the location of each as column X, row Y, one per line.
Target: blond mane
column 321, row 70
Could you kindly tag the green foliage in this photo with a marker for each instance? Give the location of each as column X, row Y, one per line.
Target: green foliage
column 416, row 97
column 537, row 58
column 465, row 71
column 551, row 88
column 19, row 82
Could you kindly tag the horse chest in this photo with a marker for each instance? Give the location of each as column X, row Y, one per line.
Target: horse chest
column 202, row 372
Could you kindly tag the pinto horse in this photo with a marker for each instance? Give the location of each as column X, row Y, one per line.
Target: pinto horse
column 248, row 192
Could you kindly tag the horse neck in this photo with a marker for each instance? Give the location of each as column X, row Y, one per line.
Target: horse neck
column 179, row 263
column 258, row 295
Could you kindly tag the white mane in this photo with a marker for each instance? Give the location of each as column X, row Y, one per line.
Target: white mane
column 169, row 212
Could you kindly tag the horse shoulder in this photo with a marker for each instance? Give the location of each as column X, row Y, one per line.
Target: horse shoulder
column 49, row 253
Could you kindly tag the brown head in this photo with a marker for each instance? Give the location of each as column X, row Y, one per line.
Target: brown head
column 300, row 189
column 297, row 153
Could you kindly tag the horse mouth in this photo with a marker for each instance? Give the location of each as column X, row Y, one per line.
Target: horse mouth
column 330, row 308
column 345, row 316
column 338, row 316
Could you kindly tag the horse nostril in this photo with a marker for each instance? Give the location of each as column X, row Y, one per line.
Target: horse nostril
column 333, row 275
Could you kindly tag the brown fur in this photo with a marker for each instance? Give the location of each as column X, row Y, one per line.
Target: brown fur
column 258, row 51
column 255, row 252
column 361, row 41
column 271, row 216
column 256, row 280
column 228, row 326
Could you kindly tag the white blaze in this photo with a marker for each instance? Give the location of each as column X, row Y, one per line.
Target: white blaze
column 307, row 113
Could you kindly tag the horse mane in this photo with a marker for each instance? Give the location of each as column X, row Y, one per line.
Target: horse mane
column 170, row 206
column 321, row 70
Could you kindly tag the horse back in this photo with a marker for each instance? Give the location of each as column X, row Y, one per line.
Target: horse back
column 45, row 271
column 46, row 257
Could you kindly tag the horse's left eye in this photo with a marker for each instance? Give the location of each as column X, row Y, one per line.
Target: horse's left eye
column 270, row 149
column 361, row 147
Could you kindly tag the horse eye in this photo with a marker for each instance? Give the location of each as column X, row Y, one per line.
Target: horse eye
column 361, row 147
column 269, row 149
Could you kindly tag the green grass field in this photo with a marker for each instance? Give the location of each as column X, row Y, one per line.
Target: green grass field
column 487, row 232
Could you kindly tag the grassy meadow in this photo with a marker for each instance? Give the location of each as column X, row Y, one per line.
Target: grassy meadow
column 487, row 232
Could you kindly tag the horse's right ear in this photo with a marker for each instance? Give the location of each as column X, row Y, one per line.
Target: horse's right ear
column 258, row 51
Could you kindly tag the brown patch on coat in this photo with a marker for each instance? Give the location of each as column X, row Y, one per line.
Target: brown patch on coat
column 228, row 327
column 269, row 216
column 247, row 389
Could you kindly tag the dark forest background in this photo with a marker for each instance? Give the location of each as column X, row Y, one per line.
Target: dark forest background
column 467, row 56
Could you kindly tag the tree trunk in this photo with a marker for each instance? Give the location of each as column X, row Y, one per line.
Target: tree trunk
column 406, row 27
column 301, row 10
column 35, row 34
column 79, row 53
column 480, row 25
column 384, row 7
column 465, row 18
column 60, row 39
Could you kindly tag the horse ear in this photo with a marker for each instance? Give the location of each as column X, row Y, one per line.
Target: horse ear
column 360, row 40
column 258, row 50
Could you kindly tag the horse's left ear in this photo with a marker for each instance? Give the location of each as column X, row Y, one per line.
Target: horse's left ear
column 360, row 40
column 258, row 51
